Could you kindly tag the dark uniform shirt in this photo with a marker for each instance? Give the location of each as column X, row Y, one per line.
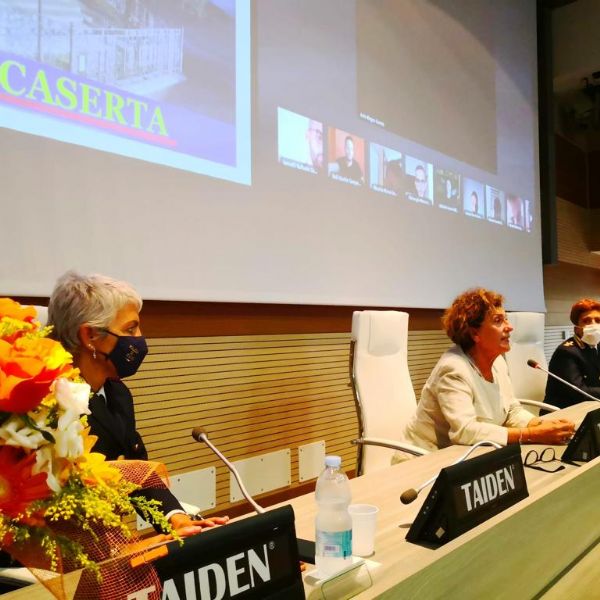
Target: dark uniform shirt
column 352, row 170
column 577, row 363
column 112, row 421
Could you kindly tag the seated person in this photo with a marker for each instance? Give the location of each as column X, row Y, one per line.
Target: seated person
column 468, row 397
column 347, row 166
column 394, row 175
column 97, row 320
column 515, row 210
column 497, row 214
column 420, row 181
column 576, row 359
column 474, row 203
column 314, row 137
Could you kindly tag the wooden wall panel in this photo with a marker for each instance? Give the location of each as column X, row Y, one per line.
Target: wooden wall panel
column 574, row 234
column 253, row 394
column 169, row 319
column 571, row 172
column 553, row 337
column 594, row 178
column 424, row 350
column 564, row 284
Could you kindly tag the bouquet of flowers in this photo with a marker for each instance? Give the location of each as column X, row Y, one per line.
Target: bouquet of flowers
column 62, row 506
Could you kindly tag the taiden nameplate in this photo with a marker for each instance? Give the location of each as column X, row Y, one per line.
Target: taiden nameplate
column 255, row 558
column 469, row 493
column 585, row 444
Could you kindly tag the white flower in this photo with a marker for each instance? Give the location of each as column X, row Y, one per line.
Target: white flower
column 72, row 396
column 69, row 441
column 16, row 433
column 43, row 464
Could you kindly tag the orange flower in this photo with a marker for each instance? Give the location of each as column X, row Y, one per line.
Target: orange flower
column 18, row 486
column 27, row 368
column 15, row 320
column 10, row 308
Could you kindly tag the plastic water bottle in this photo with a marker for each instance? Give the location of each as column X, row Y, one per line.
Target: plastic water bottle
column 333, row 523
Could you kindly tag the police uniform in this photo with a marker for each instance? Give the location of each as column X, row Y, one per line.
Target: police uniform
column 112, row 420
column 579, row 364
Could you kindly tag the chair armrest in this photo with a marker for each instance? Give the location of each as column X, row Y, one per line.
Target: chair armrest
column 17, row 577
column 392, row 444
column 541, row 405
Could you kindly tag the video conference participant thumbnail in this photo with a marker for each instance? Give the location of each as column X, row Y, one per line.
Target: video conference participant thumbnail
column 515, row 213
column 386, row 170
column 495, row 202
column 299, row 141
column 473, row 198
column 446, row 189
column 528, row 215
column 346, row 157
column 419, row 176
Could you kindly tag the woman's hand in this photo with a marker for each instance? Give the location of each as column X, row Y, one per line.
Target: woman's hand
column 550, row 431
column 185, row 526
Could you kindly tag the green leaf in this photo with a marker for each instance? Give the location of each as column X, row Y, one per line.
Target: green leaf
column 45, row 434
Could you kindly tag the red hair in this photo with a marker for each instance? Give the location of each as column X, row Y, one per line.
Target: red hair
column 582, row 306
column 468, row 312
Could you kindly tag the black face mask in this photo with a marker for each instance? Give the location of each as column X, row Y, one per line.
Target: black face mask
column 128, row 353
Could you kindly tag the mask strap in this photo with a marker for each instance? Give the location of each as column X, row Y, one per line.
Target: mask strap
column 110, row 332
column 106, row 356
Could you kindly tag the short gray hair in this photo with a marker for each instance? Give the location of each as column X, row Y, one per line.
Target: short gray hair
column 86, row 299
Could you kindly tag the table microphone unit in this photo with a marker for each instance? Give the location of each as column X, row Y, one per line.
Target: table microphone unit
column 199, row 434
column 306, row 548
column 536, row 365
column 411, row 494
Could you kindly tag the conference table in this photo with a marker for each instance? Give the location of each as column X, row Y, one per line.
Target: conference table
column 545, row 546
column 542, row 547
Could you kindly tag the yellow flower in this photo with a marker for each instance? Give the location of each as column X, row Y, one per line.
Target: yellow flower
column 93, row 467
column 15, row 320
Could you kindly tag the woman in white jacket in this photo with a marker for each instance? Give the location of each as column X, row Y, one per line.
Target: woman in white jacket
column 468, row 396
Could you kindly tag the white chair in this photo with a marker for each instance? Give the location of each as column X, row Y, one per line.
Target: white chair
column 42, row 314
column 383, row 391
column 527, row 342
column 12, row 578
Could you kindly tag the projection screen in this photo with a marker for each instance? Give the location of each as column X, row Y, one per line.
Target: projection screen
column 348, row 152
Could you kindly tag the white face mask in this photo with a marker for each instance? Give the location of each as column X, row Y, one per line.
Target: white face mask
column 591, row 335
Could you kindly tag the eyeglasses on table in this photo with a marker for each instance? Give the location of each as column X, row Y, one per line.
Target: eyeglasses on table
column 547, row 455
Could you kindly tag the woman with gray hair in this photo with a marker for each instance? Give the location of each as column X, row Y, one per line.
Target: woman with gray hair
column 97, row 319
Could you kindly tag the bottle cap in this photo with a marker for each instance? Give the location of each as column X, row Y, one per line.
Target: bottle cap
column 333, row 461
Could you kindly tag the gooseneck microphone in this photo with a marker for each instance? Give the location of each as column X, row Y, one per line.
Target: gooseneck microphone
column 411, row 494
column 199, row 434
column 536, row 365
column 306, row 548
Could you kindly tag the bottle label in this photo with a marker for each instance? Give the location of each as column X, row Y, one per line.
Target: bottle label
column 334, row 544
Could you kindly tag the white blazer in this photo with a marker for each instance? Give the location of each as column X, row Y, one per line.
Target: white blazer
column 458, row 406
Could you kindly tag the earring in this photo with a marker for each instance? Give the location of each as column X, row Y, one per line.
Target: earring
column 93, row 351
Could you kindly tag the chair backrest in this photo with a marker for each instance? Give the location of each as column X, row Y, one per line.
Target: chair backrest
column 383, row 389
column 42, row 314
column 527, row 341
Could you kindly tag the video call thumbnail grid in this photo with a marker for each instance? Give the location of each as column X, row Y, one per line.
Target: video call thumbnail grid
column 304, row 142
